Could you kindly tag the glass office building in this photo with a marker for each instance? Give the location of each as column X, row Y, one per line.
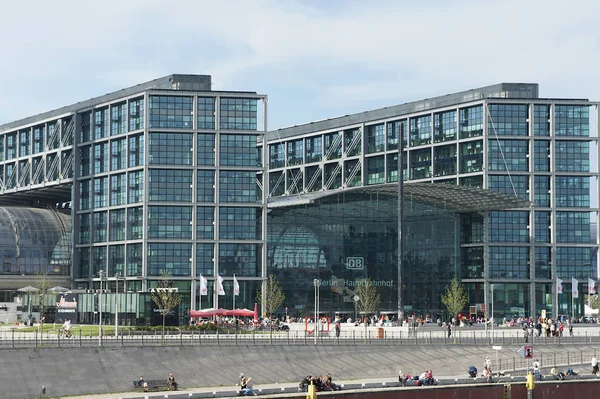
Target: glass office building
column 501, row 189
column 502, row 138
column 160, row 177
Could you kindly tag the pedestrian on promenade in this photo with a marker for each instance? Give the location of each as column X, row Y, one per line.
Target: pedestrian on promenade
column 487, row 363
column 594, row 365
column 449, row 330
column 526, row 334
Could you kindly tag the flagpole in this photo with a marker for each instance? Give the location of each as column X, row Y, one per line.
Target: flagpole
column 233, row 291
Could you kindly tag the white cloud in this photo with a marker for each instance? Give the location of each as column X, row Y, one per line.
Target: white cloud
column 337, row 55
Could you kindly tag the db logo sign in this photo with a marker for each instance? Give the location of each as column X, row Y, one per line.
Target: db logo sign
column 355, row 263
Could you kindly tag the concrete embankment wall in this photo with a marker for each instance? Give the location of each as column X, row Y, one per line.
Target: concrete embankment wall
column 73, row 371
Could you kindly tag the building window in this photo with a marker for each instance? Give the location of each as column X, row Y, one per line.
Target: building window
column 100, row 158
column 170, row 185
column 276, row 155
column 353, row 141
column 543, row 221
column 508, row 120
column 471, row 157
column 573, row 227
column 445, row 160
column 116, row 264
column 420, row 164
column 541, row 156
column 471, row 121
column 84, row 228
column 25, row 142
column 84, row 195
column 136, row 187
column 541, row 191
column 237, row 186
column 543, row 262
column 118, row 119
column 206, row 149
column 99, row 226
column 240, row 223
column 170, row 149
column 572, row 156
column 239, row 150
column 117, row 225
column 295, row 153
column 375, row 138
column 376, row 170
column 136, row 114
column 508, row 155
column 171, row 112
column 509, row 262
column 134, row 259
column 576, row 262
column 510, row 185
column 206, row 186
column 39, row 133
column 205, row 223
column 541, row 120
column 11, row 146
column 135, row 223
column 118, row 189
column 572, row 120
column 444, row 126
column 508, row 226
column 472, row 262
column 314, row 149
column 99, row 260
column 238, row 114
column 171, row 258
column 240, row 259
column 101, row 125
column 136, row 151
column 100, row 192
column 294, row 183
column 170, row 222
column 420, row 130
column 205, row 254
column 572, row 192
column 471, row 228
column 333, row 145
column 206, row 112
column 118, row 156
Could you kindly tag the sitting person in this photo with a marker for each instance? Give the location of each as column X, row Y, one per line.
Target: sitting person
column 246, row 387
column 142, row 384
column 304, row 383
column 330, row 384
column 172, row 383
column 570, row 371
column 487, row 374
column 402, row 378
column 473, row 371
column 559, row 375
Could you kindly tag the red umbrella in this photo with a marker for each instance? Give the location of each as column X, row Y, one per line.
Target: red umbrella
column 239, row 312
column 255, row 313
column 207, row 312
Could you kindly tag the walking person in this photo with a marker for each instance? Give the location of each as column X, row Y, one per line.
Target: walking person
column 449, row 330
column 594, row 365
column 526, row 334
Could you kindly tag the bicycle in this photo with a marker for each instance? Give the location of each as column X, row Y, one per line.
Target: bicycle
column 62, row 333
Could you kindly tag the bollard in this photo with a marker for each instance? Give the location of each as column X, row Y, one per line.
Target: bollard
column 530, row 385
column 507, row 391
column 312, row 393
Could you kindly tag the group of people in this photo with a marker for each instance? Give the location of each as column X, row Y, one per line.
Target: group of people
column 425, row 378
column 171, row 383
column 321, row 383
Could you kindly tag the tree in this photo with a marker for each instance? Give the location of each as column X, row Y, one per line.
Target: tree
column 455, row 297
column 42, row 286
column 166, row 297
column 270, row 295
column 368, row 297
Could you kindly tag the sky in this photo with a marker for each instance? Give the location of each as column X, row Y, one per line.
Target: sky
column 315, row 59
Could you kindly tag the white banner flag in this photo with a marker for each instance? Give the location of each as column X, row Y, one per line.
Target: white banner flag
column 236, row 286
column 203, row 286
column 558, row 286
column 575, row 288
column 220, row 288
column 591, row 286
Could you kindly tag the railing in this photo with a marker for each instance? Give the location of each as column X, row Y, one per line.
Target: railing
column 231, row 337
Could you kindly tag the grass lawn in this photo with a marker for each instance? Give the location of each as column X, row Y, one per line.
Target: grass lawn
column 76, row 330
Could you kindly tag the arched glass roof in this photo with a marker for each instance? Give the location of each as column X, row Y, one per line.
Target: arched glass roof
column 34, row 241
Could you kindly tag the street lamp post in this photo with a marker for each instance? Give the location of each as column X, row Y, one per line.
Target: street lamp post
column 117, row 277
column 492, row 318
column 317, row 284
column 101, row 272
column 355, row 298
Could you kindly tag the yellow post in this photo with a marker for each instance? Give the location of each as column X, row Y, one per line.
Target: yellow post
column 312, row 392
column 530, row 385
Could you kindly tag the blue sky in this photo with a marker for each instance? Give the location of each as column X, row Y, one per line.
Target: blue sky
column 314, row 59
